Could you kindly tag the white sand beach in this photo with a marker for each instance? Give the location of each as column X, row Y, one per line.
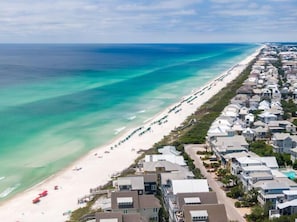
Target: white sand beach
column 97, row 166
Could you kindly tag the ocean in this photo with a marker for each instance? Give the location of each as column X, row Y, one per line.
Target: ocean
column 59, row 101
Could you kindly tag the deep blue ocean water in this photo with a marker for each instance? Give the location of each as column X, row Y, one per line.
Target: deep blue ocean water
column 58, row 101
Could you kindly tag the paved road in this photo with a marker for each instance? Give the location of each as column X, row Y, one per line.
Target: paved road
column 232, row 212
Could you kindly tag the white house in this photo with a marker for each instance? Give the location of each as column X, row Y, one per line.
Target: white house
column 266, row 117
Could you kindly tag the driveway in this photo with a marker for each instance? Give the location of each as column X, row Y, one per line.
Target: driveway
column 232, row 212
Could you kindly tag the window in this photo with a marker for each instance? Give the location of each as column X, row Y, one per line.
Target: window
column 199, row 218
column 125, row 202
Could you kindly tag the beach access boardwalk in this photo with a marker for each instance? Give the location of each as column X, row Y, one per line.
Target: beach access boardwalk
column 232, row 212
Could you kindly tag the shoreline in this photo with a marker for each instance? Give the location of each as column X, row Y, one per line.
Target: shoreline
column 96, row 167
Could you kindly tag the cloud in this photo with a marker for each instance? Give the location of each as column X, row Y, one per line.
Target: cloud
column 156, row 5
column 130, row 20
column 227, row 1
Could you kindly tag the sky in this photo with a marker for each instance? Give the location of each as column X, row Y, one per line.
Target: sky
column 136, row 21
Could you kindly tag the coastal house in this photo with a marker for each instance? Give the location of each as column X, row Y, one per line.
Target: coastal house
column 207, row 212
column 271, row 91
column 144, row 184
column 177, row 159
column 130, row 184
column 219, row 131
column 249, row 119
column 278, row 112
column 130, row 202
column 276, row 105
column 269, row 183
column 221, row 127
column 246, row 176
column 259, row 123
column 287, row 205
column 238, row 127
column 264, row 105
column 283, row 142
column 183, row 200
column 285, row 92
column 257, row 93
column 276, row 94
column 271, row 191
column 161, row 166
column 231, row 110
column 274, row 127
column 239, row 163
column 249, row 134
column 176, row 175
column 169, row 150
column 261, row 132
column 245, row 89
column 150, row 183
column 251, row 169
column 195, row 198
column 254, row 102
column 266, row 93
column 166, row 171
column 252, row 79
column 281, row 126
column 177, row 187
column 118, row 217
column 266, row 117
column 231, row 156
column 243, row 112
column 240, row 99
column 224, row 145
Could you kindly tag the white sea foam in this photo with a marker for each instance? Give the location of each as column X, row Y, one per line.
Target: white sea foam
column 118, row 130
column 142, row 111
column 2, row 178
column 131, row 117
column 8, row 190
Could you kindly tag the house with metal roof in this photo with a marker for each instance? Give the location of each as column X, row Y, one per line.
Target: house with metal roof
column 283, row 142
column 266, row 117
column 130, row 202
column 169, row 150
column 118, row 217
column 262, row 132
column 264, row 105
column 143, row 184
column 225, row 145
column 249, row 119
column 176, row 175
column 288, row 207
column 270, row 191
column 175, row 188
column 249, row 134
column 207, row 212
column 177, row 159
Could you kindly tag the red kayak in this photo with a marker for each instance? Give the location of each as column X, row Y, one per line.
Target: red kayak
column 36, row 200
column 43, row 194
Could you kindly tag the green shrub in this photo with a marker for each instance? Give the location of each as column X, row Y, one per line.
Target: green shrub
column 237, row 204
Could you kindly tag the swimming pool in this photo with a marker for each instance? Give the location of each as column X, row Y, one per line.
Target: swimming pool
column 290, row 174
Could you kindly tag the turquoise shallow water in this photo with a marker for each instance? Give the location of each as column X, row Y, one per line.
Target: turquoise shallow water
column 57, row 102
